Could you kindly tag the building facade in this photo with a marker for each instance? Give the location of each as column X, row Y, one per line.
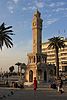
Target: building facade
column 51, row 55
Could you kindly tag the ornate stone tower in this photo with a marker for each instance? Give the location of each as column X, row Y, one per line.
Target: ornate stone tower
column 36, row 59
column 37, row 32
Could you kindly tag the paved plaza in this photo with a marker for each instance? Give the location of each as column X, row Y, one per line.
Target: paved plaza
column 28, row 94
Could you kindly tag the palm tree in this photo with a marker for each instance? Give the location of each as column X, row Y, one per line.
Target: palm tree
column 22, row 65
column 11, row 69
column 56, row 43
column 18, row 64
column 4, row 36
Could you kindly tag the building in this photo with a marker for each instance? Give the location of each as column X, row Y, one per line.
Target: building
column 51, row 55
column 36, row 57
column 37, row 66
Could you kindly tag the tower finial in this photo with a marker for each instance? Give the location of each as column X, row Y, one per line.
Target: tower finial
column 37, row 13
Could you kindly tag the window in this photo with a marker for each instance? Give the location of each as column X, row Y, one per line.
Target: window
column 34, row 59
column 65, row 68
column 38, row 59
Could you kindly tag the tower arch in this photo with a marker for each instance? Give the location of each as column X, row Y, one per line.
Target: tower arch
column 30, row 76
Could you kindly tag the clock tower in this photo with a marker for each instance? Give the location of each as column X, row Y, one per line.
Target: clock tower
column 36, row 59
column 37, row 32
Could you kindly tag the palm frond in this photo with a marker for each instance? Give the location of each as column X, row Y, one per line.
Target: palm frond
column 9, row 41
column 6, row 28
column 8, row 37
column 7, row 31
column 8, row 45
column 4, row 35
column 2, row 25
column 56, row 42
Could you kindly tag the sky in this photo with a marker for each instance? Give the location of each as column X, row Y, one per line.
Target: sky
column 19, row 14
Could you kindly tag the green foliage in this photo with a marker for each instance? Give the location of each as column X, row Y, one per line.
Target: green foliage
column 56, row 43
column 23, row 65
column 4, row 36
column 11, row 69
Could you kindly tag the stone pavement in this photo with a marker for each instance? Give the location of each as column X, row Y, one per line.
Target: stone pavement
column 43, row 93
column 29, row 94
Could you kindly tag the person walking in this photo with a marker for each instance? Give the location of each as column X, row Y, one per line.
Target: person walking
column 61, row 86
column 58, row 84
column 35, row 84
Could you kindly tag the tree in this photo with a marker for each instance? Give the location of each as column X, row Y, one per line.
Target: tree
column 18, row 64
column 4, row 36
column 56, row 43
column 11, row 69
column 22, row 65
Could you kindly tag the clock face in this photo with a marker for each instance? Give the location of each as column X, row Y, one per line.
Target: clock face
column 34, row 23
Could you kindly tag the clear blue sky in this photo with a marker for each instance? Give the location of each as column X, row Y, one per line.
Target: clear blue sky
column 19, row 13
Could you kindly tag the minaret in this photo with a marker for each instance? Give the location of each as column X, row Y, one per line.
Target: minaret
column 37, row 32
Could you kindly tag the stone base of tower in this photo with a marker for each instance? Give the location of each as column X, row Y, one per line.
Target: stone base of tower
column 36, row 67
column 41, row 71
column 38, row 71
column 30, row 72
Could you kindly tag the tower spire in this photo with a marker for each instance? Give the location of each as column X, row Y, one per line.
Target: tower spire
column 37, row 13
column 37, row 32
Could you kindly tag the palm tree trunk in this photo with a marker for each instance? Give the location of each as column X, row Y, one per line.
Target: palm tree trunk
column 57, row 62
column 18, row 70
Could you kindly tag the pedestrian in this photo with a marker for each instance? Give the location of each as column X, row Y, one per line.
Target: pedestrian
column 58, row 84
column 61, row 86
column 35, row 84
